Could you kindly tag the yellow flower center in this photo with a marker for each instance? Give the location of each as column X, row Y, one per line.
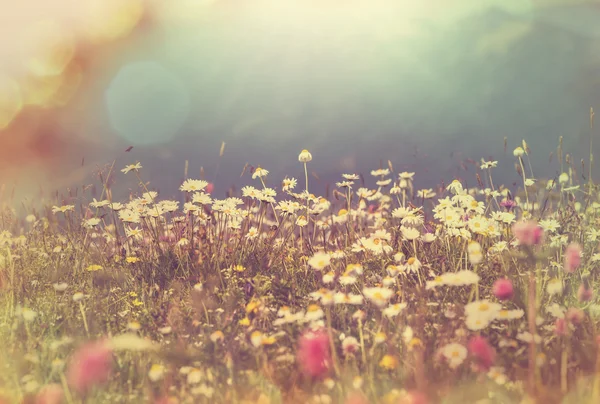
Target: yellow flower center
column 411, row 260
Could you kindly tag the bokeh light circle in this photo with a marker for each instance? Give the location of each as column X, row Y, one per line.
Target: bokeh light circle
column 147, row 104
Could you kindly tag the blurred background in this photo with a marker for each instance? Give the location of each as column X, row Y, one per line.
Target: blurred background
column 432, row 85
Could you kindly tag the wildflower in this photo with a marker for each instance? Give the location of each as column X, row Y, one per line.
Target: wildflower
column 60, row 287
column 575, row 315
column 350, row 345
column 314, row 353
column 483, row 353
column 28, row 314
column 194, row 376
column 563, row 178
column 78, row 296
column 328, row 277
column 554, row 287
column 259, row 173
column 585, row 293
column 63, row 209
column 488, row 164
column 461, row 278
column 484, row 307
column 132, row 167
column 379, row 338
column 560, row 327
column 348, row 298
column 156, row 372
column 526, row 337
column 393, row 310
column 134, row 326
column 388, row 362
column 455, row 354
column 437, row 281
column 304, row 156
column 474, row 250
column 412, row 265
column 572, row 257
column 497, row 375
column 301, row 221
column 191, row 185
column 549, row 225
column 252, row 233
column 256, row 338
column 379, row 296
column 89, row 366
column 314, row 313
column 528, row 233
column 94, row 268
column 289, row 184
column 428, row 238
column 510, row 314
column 202, row 198
column 518, row 152
column 325, row 296
column 409, row 233
column 503, row 289
column 320, row 260
column 380, row 172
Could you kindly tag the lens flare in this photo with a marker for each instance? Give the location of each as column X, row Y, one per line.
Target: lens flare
column 10, row 100
column 147, row 104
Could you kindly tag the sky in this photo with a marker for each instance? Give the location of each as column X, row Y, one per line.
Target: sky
column 428, row 85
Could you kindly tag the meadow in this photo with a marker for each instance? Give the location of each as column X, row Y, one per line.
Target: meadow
column 383, row 294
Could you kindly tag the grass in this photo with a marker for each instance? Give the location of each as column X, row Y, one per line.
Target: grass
column 204, row 300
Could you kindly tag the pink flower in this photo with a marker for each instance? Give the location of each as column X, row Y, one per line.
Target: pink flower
column 528, row 233
column 90, row 365
column 482, row 351
column 314, row 354
column 572, row 257
column 508, row 204
column 560, row 327
column 585, row 294
column 503, row 289
column 575, row 315
column 209, row 188
column 50, row 394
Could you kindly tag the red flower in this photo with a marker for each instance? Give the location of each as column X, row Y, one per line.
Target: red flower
column 560, row 327
column 585, row 294
column 482, row 351
column 314, row 354
column 89, row 366
column 572, row 257
column 503, row 289
column 528, row 233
